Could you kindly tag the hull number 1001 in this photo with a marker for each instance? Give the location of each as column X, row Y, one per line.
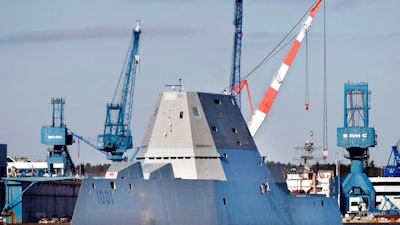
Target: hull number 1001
column 104, row 197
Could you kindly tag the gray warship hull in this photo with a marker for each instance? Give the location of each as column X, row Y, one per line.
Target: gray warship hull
column 197, row 164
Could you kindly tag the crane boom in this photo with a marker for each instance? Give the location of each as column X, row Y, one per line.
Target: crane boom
column 237, row 46
column 117, row 137
column 270, row 94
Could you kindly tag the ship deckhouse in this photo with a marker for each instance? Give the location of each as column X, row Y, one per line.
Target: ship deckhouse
column 200, row 135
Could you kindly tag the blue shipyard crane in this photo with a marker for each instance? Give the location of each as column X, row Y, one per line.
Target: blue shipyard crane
column 18, row 187
column 57, row 137
column 356, row 137
column 236, row 55
column 392, row 168
column 117, row 138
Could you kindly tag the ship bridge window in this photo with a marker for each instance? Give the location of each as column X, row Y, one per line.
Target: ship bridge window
column 262, row 190
column 217, row 101
column 206, row 157
column 266, row 186
column 224, row 201
column 155, row 112
column 233, row 101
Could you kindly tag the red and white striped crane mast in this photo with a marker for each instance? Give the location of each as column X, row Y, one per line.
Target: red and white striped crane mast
column 270, row 94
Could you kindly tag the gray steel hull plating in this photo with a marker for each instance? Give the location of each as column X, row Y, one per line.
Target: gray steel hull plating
column 177, row 201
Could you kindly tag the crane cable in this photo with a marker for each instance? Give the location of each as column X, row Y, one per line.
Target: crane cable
column 79, row 148
column 325, row 117
column 278, row 48
column 122, row 70
column 307, row 84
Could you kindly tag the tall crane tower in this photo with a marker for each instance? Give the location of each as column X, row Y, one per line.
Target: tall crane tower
column 237, row 48
column 57, row 137
column 356, row 137
column 117, row 138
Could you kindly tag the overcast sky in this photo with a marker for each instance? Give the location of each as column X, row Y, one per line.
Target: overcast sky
column 76, row 49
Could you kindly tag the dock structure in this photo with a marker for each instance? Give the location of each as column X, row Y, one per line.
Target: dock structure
column 27, row 196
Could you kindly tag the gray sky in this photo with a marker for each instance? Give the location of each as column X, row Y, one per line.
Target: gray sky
column 75, row 50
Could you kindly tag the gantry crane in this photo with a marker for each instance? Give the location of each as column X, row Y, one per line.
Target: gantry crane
column 57, row 137
column 236, row 55
column 356, row 137
column 117, row 138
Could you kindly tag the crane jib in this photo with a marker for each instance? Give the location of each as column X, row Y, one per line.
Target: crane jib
column 270, row 94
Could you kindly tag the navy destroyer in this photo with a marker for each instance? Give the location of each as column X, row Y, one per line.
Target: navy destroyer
column 197, row 164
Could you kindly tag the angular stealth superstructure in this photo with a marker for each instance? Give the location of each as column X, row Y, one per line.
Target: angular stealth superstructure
column 197, row 133
column 197, row 164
